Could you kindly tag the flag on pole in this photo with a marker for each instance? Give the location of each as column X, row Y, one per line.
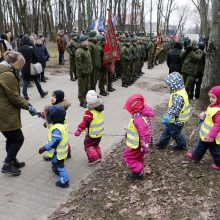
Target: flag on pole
column 114, row 21
column 111, row 53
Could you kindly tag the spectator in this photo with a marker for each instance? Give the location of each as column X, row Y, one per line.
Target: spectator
column 61, row 46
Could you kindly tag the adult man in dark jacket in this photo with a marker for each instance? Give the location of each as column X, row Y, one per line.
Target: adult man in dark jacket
column 173, row 58
column 83, row 69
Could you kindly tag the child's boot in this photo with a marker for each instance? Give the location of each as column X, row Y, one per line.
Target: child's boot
column 59, row 184
column 136, row 175
column 215, row 167
column 190, row 156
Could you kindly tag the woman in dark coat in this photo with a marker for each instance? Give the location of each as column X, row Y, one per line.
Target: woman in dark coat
column 173, row 58
column 27, row 50
column 11, row 104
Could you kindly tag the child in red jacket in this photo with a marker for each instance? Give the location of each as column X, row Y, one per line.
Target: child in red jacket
column 93, row 124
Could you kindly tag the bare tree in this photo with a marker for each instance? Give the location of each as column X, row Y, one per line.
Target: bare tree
column 212, row 67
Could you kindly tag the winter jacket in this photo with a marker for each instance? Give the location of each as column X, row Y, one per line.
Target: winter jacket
column 190, row 62
column 42, row 53
column 201, row 65
column 61, row 43
column 30, row 56
column 144, row 129
column 174, row 61
column 88, row 117
column 10, row 100
column 175, row 82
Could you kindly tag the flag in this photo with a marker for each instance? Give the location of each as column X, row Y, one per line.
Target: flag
column 111, row 53
column 114, row 21
column 101, row 24
column 93, row 25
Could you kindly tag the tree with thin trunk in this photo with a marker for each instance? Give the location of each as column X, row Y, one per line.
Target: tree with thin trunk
column 212, row 67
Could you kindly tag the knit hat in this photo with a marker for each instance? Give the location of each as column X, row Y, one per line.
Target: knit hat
column 134, row 103
column 56, row 114
column 82, row 37
column 93, row 100
column 216, row 91
column 92, row 34
column 59, row 94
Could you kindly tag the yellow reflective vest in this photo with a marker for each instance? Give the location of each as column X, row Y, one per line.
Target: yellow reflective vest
column 62, row 148
column 96, row 127
column 186, row 109
column 132, row 139
column 208, row 124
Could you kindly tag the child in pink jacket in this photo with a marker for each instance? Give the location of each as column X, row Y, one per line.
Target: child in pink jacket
column 209, row 131
column 139, row 135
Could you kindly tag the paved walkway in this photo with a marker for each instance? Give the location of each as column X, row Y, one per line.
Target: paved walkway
column 33, row 195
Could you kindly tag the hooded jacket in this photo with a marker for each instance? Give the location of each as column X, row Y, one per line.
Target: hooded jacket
column 216, row 118
column 10, row 100
column 175, row 82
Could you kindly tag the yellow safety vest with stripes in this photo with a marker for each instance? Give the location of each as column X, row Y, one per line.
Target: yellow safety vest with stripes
column 49, row 136
column 208, row 124
column 186, row 109
column 132, row 139
column 96, row 127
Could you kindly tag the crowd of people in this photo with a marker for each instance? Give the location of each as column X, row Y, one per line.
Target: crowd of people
column 86, row 53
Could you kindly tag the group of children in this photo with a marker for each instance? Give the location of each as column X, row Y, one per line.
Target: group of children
column 139, row 137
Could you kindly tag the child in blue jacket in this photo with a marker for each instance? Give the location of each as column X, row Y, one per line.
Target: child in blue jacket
column 57, row 140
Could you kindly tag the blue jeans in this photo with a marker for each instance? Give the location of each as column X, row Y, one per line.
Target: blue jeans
column 61, row 57
column 59, row 168
column 202, row 147
column 37, row 83
column 173, row 131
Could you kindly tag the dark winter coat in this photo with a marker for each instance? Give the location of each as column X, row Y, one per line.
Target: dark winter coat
column 42, row 53
column 174, row 61
column 10, row 100
column 61, row 43
column 27, row 50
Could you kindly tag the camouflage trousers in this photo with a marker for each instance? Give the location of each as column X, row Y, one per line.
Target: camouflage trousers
column 102, row 80
column 94, row 78
column 83, row 87
column 189, row 84
column 72, row 67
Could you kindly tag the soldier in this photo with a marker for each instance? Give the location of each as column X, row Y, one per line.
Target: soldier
column 71, row 49
column 83, row 69
column 95, row 54
column 132, row 61
column 125, row 63
column 150, row 52
column 190, row 59
column 143, row 55
column 103, row 71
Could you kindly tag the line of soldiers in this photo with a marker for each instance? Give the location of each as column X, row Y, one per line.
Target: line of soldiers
column 86, row 62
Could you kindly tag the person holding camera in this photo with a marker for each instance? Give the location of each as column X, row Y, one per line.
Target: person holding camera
column 190, row 59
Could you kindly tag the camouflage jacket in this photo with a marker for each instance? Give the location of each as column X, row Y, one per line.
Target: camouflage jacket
column 125, row 54
column 71, row 47
column 95, row 54
column 83, row 61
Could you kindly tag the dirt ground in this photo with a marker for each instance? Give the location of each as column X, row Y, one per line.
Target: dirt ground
column 173, row 187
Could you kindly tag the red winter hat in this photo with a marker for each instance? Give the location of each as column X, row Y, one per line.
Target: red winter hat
column 216, row 91
column 134, row 103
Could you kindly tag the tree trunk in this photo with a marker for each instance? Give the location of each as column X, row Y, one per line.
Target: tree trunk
column 212, row 68
column 204, row 28
column 1, row 16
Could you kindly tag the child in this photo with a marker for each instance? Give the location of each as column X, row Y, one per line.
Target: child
column 56, row 98
column 58, row 141
column 177, row 115
column 139, row 135
column 209, row 131
column 93, row 123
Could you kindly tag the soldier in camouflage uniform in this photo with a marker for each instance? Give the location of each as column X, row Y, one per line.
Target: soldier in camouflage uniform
column 125, row 63
column 132, row 60
column 143, row 54
column 150, row 52
column 96, row 61
column 190, row 59
column 103, row 70
column 71, row 49
column 83, row 69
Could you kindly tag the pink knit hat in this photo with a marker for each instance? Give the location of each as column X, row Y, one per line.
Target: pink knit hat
column 216, row 91
column 134, row 103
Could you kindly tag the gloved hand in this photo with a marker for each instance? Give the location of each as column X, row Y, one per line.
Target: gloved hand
column 41, row 150
column 32, row 110
column 166, row 119
column 202, row 116
column 77, row 132
column 145, row 148
column 208, row 139
column 197, row 80
column 43, row 115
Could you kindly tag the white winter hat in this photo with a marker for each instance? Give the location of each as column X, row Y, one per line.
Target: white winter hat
column 91, row 96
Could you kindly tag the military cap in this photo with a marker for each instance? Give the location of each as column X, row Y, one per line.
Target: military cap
column 101, row 38
column 82, row 37
column 127, row 39
column 92, row 34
